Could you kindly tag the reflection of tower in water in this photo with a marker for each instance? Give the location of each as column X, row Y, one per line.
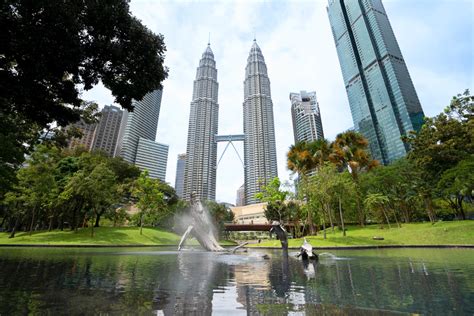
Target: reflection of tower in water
column 193, row 288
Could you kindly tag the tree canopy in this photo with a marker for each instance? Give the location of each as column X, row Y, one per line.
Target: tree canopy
column 52, row 51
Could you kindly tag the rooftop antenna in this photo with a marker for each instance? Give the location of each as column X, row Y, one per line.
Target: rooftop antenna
column 254, row 35
column 209, row 40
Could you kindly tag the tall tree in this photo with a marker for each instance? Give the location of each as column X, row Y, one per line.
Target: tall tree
column 457, row 184
column 52, row 50
column 350, row 150
column 301, row 160
column 442, row 143
column 377, row 203
column 150, row 200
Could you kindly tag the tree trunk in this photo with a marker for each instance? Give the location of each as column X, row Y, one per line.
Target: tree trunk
column 324, row 228
column 141, row 223
column 461, row 209
column 32, row 220
column 386, row 217
column 396, row 219
column 17, row 220
column 97, row 219
column 310, row 222
column 330, row 218
column 50, row 226
column 92, row 226
column 406, row 215
column 342, row 218
column 3, row 220
column 429, row 209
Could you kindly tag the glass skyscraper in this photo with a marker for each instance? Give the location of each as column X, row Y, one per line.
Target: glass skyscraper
column 179, row 181
column 383, row 100
column 141, row 123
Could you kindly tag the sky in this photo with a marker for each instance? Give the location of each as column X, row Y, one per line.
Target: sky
column 436, row 38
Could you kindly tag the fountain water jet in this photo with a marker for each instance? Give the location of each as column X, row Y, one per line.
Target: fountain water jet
column 202, row 228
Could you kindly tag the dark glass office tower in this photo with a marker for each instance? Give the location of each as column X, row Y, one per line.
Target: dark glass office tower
column 383, row 100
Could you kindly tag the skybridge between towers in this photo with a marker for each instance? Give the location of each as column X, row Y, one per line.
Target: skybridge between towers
column 230, row 139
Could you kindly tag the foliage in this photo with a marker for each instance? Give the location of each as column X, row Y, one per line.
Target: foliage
column 275, row 196
column 439, row 165
column 272, row 192
column 327, row 188
column 220, row 214
column 445, row 139
column 442, row 233
column 457, row 184
column 52, row 51
column 399, row 182
column 441, row 144
column 150, row 200
column 59, row 188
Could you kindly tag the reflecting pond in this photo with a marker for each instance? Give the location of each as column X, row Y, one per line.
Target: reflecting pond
column 163, row 281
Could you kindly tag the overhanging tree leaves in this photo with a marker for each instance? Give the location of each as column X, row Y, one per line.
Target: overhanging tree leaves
column 53, row 50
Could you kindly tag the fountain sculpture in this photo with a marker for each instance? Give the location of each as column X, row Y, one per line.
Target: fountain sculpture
column 280, row 231
column 202, row 228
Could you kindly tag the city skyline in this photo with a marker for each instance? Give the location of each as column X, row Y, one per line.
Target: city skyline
column 437, row 56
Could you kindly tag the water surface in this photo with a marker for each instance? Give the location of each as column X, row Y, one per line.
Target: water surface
column 163, row 281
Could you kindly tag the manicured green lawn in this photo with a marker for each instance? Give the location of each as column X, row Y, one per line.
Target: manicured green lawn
column 102, row 236
column 442, row 233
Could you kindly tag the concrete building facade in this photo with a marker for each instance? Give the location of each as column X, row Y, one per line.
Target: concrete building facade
column 88, row 134
column 108, row 129
column 306, row 117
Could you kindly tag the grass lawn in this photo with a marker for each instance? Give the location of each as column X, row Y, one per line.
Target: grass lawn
column 103, row 236
column 442, row 233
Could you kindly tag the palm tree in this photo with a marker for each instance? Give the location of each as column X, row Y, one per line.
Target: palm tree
column 349, row 150
column 300, row 160
column 320, row 151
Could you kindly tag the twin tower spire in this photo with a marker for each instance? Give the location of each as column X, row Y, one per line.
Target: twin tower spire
column 259, row 140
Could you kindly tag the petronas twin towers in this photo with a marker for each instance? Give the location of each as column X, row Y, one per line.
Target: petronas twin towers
column 259, row 132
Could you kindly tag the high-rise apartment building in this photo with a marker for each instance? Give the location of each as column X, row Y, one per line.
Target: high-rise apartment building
column 152, row 156
column 108, row 129
column 141, row 123
column 383, row 100
column 179, row 181
column 88, row 135
column 201, row 150
column 240, row 201
column 307, row 125
column 259, row 144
